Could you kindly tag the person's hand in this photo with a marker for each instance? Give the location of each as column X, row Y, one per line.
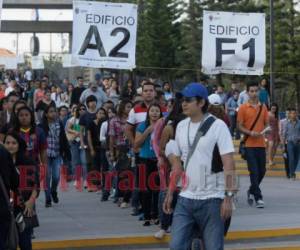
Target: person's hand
column 28, row 212
column 226, row 208
column 150, row 129
column 167, row 205
column 255, row 134
column 93, row 153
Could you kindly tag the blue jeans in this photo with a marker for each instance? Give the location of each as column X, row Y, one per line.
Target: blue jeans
column 293, row 153
column 78, row 158
column 206, row 214
column 53, row 176
column 256, row 161
column 165, row 219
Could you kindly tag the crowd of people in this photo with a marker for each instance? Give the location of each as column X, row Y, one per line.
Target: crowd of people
column 126, row 142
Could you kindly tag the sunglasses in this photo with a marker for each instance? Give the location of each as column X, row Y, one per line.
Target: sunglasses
column 82, row 109
column 189, row 99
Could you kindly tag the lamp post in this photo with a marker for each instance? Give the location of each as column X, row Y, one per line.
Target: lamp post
column 272, row 50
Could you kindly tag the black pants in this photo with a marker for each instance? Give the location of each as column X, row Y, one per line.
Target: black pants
column 286, row 161
column 256, row 160
column 4, row 226
column 149, row 187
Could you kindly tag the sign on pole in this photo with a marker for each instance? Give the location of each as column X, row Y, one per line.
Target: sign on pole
column 233, row 43
column 104, row 34
column 37, row 62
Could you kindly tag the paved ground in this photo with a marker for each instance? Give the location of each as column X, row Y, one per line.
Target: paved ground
column 81, row 215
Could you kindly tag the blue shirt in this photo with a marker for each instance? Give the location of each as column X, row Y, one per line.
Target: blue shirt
column 264, row 96
column 146, row 150
column 232, row 105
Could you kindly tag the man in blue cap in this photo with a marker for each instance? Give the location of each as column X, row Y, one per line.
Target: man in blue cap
column 202, row 160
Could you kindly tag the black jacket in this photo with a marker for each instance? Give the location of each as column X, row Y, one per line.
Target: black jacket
column 10, row 178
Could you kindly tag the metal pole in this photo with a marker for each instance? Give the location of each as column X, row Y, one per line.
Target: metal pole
column 272, row 62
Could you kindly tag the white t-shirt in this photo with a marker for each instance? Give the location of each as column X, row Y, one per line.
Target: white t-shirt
column 8, row 90
column 201, row 183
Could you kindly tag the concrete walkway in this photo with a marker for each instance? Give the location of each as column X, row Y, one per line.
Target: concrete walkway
column 81, row 215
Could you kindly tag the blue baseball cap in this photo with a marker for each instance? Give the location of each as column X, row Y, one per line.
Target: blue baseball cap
column 195, row 90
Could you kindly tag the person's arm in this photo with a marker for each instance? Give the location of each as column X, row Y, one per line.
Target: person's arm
column 112, row 141
column 70, row 130
column 82, row 144
column 230, row 184
column 82, row 97
column 165, row 137
column 140, row 137
column 129, row 129
column 90, row 143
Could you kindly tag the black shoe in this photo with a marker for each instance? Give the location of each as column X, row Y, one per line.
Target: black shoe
column 48, row 204
column 156, row 222
column 147, row 223
column 250, row 198
column 54, row 197
column 104, row 198
column 135, row 212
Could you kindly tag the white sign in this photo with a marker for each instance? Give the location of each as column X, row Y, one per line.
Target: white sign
column 233, row 43
column 37, row 62
column 9, row 62
column 104, row 34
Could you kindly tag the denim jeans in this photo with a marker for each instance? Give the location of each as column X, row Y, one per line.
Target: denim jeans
column 233, row 127
column 78, row 159
column 293, row 153
column 206, row 214
column 53, row 176
column 165, row 219
column 256, row 161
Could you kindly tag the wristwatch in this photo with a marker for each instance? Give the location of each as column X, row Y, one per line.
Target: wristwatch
column 229, row 194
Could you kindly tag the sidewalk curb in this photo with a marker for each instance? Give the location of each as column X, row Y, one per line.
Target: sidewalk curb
column 147, row 240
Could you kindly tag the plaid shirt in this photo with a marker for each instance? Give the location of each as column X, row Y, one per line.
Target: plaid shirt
column 53, row 139
column 117, row 130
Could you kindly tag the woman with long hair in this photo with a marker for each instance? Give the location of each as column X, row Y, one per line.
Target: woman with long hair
column 162, row 138
column 27, row 195
column 148, row 160
column 128, row 91
column 33, row 136
column 273, row 136
column 114, row 93
column 119, row 147
column 57, row 150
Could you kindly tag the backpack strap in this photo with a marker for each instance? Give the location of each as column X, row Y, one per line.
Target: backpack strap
column 202, row 130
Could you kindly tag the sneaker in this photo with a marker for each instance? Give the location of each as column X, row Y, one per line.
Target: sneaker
column 260, row 204
column 250, row 198
column 160, row 234
column 135, row 212
column 124, row 205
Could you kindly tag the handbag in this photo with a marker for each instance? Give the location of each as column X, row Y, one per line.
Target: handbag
column 13, row 234
column 242, row 146
column 31, row 222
